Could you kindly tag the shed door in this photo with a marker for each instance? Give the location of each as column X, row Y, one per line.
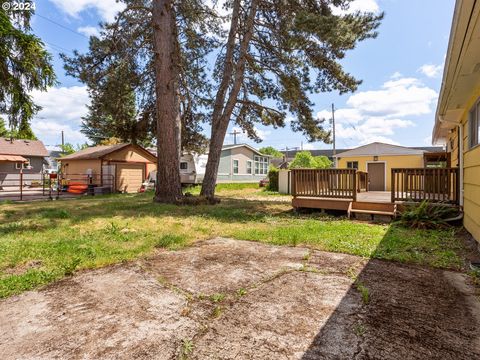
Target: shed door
column 129, row 177
column 376, row 176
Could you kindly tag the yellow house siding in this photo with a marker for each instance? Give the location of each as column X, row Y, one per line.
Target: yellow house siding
column 471, row 191
column 471, row 172
column 80, row 167
column 129, row 154
column 391, row 162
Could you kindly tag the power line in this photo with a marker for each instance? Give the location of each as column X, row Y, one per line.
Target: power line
column 58, row 47
column 62, row 26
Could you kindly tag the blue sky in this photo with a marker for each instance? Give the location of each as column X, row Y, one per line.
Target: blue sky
column 401, row 72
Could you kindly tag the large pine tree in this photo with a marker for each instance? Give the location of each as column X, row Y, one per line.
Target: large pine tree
column 24, row 66
column 277, row 53
column 273, row 56
column 157, row 49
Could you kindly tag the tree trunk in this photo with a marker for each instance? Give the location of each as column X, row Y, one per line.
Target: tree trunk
column 223, row 110
column 168, row 189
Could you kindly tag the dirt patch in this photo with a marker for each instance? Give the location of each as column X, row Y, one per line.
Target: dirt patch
column 223, row 265
column 226, row 299
column 22, row 269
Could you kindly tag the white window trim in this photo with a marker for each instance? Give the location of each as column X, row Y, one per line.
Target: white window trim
column 238, row 167
column 25, row 165
column 474, row 125
column 251, row 167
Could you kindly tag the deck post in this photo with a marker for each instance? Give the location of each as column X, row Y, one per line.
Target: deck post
column 392, row 188
column 293, row 183
column 354, row 185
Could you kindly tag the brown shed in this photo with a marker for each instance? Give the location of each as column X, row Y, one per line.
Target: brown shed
column 124, row 166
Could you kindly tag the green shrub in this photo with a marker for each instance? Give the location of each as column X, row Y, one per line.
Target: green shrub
column 272, row 179
column 305, row 160
column 426, row 215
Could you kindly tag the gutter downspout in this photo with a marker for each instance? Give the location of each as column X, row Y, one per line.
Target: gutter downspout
column 460, row 162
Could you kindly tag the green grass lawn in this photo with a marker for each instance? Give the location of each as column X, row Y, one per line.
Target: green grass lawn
column 44, row 241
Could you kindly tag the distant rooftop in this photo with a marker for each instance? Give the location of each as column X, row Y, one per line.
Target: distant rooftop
column 22, row 147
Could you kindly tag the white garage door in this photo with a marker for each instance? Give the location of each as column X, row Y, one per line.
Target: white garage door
column 129, row 177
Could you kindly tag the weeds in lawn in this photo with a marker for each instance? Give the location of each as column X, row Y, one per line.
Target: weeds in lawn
column 217, row 297
column 363, row 291
column 359, row 329
column 70, row 266
column 241, row 292
column 171, row 242
column 186, row 349
column 217, row 311
column 55, row 214
column 11, row 228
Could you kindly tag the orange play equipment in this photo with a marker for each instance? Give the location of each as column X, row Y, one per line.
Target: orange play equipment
column 77, row 188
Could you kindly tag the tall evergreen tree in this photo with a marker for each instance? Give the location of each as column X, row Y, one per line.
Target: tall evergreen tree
column 133, row 43
column 24, row 66
column 276, row 54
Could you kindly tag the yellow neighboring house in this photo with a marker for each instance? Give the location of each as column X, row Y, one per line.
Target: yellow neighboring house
column 457, row 121
column 378, row 160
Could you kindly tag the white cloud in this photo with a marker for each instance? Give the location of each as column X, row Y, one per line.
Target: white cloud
column 397, row 98
column 359, row 5
column 430, row 70
column 396, row 75
column 89, row 31
column 107, row 9
column 376, row 115
column 62, row 109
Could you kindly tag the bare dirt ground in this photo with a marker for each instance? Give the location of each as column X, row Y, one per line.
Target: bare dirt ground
column 227, row 299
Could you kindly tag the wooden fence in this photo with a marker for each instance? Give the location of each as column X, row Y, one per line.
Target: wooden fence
column 325, row 183
column 433, row 184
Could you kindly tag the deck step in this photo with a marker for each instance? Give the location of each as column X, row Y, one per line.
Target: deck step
column 373, row 212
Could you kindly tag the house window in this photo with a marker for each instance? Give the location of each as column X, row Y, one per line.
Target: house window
column 352, row 165
column 261, row 165
column 249, row 167
column 235, row 166
column 474, row 125
column 25, row 165
column 183, row 165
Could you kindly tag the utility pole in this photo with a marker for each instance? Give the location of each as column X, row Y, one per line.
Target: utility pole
column 235, row 133
column 333, row 130
column 63, row 144
column 287, row 149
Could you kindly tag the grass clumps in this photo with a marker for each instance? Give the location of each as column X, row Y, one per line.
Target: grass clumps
column 171, row 242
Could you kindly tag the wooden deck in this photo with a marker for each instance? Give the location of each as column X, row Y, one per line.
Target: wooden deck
column 347, row 189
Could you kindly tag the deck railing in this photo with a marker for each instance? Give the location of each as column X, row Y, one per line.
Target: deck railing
column 325, row 183
column 433, row 184
column 362, row 181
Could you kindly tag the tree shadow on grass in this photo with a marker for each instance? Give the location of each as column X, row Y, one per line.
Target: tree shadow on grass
column 106, row 208
column 397, row 311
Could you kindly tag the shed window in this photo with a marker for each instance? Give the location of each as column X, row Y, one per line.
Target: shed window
column 474, row 125
column 352, row 165
column 235, row 166
column 183, row 165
